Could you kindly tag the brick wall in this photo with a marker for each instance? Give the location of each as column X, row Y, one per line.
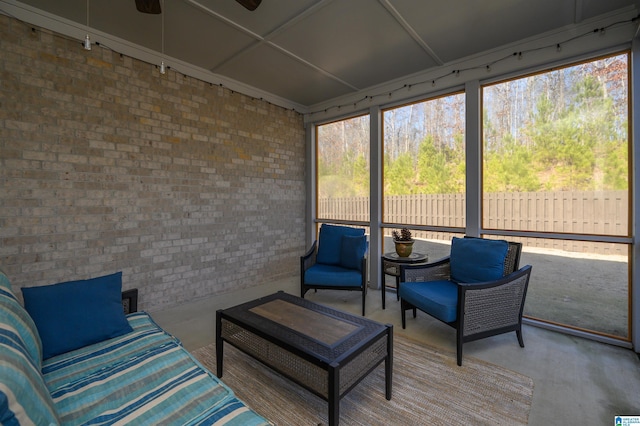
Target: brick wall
column 189, row 189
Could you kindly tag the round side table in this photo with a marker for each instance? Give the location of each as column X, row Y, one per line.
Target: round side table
column 391, row 266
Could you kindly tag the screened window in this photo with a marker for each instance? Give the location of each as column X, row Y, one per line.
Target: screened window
column 424, row 163
column 343, row 170
column 556, row 151
column 424, row 171
column 556, row 162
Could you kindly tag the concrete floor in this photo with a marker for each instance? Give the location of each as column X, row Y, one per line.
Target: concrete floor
column 577, row 381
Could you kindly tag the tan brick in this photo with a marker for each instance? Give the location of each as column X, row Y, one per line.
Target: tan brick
column 189, row 189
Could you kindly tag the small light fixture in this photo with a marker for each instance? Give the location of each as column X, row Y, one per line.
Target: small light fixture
column 87, row 40
column 163, row 69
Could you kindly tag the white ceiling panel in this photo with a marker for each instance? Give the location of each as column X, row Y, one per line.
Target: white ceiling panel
column 309, row 52
column 455, row 30
column 592, row 8
column 120, row 18
column 74, row 10
column 273, row 13
column 270, row 69
column 358, row 48
column 206, row 41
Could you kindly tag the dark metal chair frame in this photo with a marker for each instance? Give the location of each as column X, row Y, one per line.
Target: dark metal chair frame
column 484, row 309
column 130, row 301
column 309, row 259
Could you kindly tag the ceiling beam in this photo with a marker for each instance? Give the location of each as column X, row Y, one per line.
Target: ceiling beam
column 412, row 33
column 577, row 11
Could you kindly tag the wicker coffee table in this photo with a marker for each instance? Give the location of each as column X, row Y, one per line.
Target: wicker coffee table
column 324, row 350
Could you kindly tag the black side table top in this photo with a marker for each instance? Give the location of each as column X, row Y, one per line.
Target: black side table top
column 391, row 263
column 412, row 258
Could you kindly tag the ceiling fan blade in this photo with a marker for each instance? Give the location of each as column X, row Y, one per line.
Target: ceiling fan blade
column 250, row 4
column 148, row 6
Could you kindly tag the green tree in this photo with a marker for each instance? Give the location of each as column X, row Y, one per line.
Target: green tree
column 441, row 168
column 360, row 176
column 572, row 144
column 616, row 166
column 346, row 177
column 508, row 169
column 399, row 175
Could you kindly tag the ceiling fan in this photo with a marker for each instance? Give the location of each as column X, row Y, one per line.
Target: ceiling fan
column 153, row 6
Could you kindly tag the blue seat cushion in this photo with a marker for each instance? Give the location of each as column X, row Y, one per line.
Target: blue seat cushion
column 331, row 275
column 476, row 260
column 437, row 298
column 330, row 242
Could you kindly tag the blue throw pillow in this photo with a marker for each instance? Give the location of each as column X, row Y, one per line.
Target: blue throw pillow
column 475, row 260
column 352, row 251
column 330, row 242
column 74, row 314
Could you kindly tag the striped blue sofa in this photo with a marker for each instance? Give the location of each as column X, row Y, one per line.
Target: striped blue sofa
column 142, row 377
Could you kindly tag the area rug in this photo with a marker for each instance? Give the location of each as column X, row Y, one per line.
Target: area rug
column 428, row 389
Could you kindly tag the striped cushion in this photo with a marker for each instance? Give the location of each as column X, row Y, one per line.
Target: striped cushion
column 143, row 377
column 24, row 398
column 18, row 317
column 74, row 365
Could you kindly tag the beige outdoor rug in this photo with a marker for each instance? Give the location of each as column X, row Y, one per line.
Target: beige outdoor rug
column 428, row 389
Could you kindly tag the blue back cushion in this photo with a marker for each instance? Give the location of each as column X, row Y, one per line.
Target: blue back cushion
column 330, row 242
column 352, row 251
column 74, row 314
column 475, row 260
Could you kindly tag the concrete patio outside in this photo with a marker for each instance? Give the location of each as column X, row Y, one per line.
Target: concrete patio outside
column 581, row 290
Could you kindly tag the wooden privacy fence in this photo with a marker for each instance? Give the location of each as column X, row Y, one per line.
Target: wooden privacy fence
column 578, row 212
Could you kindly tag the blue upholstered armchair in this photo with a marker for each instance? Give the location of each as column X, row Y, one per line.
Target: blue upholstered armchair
column 336, row 261
column 478, row 289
